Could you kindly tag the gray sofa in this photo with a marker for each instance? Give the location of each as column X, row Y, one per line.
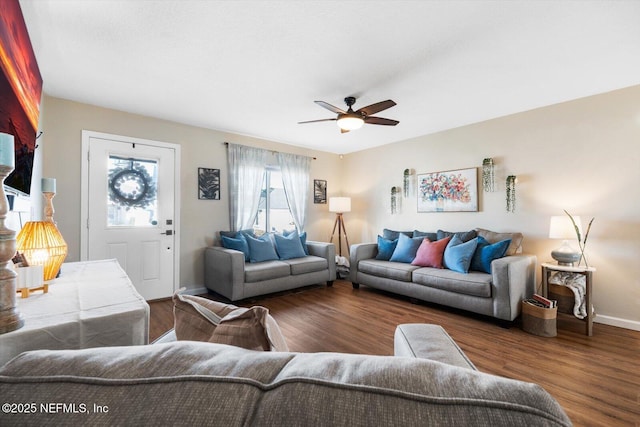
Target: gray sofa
column 498, row 294
column 196, row 383
column 227, row 274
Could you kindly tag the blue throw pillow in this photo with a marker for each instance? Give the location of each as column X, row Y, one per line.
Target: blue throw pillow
column 261, row 249
column 386, row 248
column 486, row 253
column 458, row 254
column 239, row 243
column 289, row 247
column 406, row 248
column 303, row 239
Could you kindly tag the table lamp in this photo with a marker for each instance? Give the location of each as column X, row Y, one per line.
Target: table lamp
column 340, row 205
column 560, row 227
column 40, row 242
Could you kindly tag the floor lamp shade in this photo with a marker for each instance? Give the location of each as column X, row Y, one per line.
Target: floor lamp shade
column 340, row 204
column 41, row 243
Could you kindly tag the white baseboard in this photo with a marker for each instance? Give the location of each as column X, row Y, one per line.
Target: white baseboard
column 616, row 321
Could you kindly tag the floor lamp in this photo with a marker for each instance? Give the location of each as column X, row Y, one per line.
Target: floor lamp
column 340, row 205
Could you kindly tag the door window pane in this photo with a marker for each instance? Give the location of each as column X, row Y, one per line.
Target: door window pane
column 132, row 192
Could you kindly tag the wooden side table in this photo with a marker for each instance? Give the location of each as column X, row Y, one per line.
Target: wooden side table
column 548, row 268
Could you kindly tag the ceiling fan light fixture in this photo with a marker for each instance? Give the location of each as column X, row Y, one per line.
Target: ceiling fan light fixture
column 350, row 122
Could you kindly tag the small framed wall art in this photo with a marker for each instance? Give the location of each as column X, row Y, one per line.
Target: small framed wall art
column 208, row 184
column 448, row 191
column 319, row 191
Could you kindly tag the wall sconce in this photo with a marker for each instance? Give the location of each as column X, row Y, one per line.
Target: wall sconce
column 511, row 193
column 488, row 175
column 395, row 200
column 407, row 182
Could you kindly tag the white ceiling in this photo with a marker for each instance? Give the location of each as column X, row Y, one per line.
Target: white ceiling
column 255, row 67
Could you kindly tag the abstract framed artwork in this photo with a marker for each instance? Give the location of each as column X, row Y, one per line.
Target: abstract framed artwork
column 448, row 191
column 20, row 93
column 208, row 184
column 319, row 191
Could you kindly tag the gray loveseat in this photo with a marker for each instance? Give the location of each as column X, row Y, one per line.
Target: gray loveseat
column 497, row 294
column 196, row 383
column 228, row 274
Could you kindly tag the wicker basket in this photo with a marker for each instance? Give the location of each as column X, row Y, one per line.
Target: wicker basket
column 538, row 320
column 565, row 297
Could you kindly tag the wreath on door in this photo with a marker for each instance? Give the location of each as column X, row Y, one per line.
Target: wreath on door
column 131, row 187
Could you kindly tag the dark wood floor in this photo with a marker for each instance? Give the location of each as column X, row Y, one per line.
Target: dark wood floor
column 596, row 379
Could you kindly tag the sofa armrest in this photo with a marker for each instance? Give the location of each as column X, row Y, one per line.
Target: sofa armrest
column 359, row 252
column 224, row 272
column 513, row 281
column 326, row 251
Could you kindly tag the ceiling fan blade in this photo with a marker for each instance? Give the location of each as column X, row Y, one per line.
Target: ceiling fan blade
column 380, row 121
column 376, row 108
column 343, row 130
column 316, row 121
column 330, row 107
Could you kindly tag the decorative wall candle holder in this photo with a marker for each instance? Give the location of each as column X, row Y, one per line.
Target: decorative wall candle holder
column 511, row 193
column 488, row 175
column 395, row 200
column 407, row 182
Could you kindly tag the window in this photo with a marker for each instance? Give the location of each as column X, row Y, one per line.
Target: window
column 132, row 193
column 273, row 211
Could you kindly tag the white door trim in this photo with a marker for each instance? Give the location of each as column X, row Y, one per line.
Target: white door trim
column 84, row 193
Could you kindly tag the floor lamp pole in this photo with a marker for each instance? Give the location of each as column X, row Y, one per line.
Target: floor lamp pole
column 339, row 223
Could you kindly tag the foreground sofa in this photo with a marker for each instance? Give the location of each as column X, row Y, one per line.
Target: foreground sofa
column 497, row 294
column 228, row 274
column 196, row 383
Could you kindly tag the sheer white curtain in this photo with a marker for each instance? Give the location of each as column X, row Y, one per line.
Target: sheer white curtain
column 295, row 178
column 246, row 173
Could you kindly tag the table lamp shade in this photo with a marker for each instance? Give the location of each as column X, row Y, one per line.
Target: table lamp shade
column 560, row 227
column 340, row 204
column 42, row 244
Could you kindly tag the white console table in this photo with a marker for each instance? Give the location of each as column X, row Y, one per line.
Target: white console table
column 91, row 304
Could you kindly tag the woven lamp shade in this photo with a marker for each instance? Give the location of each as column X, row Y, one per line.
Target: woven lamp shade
column 42, row 244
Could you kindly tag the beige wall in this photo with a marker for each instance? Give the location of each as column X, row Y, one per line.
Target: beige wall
column 63, row 122
column 582, row 156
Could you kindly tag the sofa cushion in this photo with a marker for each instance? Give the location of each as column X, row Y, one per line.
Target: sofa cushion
column 492, row 237
column 393, row 235
column 429, row 235
column 262, row 248
column 308, row 264
column 239, row 243
column 386, row 248
column 289, row 246
column 390, row 270
column 202, row 384
column 406, row 248
column 201, row 319
column 474, row 283
column 259, row 271
column 485, row 253
column 458, row 254
column 430, row 253
column 464, row 235
column 234, row 234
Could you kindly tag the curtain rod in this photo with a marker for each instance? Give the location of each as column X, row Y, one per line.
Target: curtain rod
column 272, row 151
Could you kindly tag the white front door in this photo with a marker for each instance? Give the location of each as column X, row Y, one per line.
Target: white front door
column 131, row 209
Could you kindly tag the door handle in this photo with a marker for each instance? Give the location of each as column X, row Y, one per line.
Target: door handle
column 168, row 232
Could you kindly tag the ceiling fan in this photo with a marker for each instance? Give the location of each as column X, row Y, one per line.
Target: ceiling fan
column 351, row 120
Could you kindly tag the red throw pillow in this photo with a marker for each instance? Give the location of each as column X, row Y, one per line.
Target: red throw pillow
column 430, row 253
